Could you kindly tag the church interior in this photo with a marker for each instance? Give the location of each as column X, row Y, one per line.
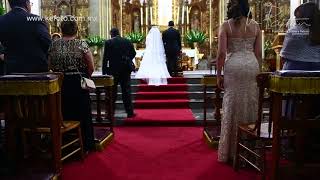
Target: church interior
column 175, row 132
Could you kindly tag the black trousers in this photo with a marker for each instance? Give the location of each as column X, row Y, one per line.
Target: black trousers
column 124, row 79
column 76, row 105
column 172, row 65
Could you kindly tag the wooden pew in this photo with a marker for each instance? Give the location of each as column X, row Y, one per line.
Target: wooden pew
column 17, row 89
column 283, row 85
column 211, row 131
column 103, row 124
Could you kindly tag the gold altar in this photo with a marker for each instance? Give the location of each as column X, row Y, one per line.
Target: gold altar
column 99, row 16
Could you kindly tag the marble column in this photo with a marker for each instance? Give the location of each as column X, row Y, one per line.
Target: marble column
column 94, row 11
column 101, row 11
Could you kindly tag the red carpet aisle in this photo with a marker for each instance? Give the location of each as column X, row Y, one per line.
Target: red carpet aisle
column 163, row 104
column 155, row 153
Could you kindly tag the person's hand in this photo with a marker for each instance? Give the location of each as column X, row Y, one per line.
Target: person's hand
column 220, row 82
column 1, row 57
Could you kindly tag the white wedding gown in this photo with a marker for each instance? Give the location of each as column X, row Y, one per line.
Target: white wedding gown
column 153, row 66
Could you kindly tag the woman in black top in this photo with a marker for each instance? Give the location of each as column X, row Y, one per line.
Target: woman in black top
column 73, row 57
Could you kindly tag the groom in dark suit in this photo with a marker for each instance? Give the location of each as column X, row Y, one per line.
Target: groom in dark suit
column 172, row 45
column 117, row 52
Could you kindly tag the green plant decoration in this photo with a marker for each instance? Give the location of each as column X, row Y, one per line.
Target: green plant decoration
column 2, row 10
column 194, row 36
column 95, row 41
column 269, row 52
column 135, row 37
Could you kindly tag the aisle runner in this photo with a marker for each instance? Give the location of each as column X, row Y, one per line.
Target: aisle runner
column 163, row 104
column 155, row 153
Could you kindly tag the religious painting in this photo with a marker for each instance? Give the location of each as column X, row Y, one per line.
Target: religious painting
column 53, row 11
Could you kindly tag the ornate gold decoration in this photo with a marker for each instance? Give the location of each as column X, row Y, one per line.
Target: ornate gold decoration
column 100, row 146
column 133, row 17
column 209, row 80
column 29, row 87
column 102, row 80
column 116, row 16
column 295, row 85
column 54, row 10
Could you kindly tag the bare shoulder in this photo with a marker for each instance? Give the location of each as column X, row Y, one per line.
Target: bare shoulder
column 224, row 26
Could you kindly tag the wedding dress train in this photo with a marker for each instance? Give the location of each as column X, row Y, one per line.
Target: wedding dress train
column 153, row 66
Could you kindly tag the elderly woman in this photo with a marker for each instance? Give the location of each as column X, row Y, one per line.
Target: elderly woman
column 301, row 47
column 301, row 51
column 73, row 57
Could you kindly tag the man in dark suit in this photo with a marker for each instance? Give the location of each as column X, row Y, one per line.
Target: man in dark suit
column 172, row 45
column 118, row 52
column 26, row 39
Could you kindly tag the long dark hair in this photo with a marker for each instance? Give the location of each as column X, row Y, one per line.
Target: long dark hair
column 308, row 14
column 238, row 9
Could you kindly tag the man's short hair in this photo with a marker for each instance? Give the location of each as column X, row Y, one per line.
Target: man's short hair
column 114, row 32
column 18, row 3
column 171, row 23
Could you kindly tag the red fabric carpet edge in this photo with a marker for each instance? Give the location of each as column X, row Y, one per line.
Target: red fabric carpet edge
column 163, row 115
column 155, row 153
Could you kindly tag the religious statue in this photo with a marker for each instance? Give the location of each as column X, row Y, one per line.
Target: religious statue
column 136, row 23
column 195, row 20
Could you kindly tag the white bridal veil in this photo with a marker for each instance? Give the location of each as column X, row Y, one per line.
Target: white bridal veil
column 153, row 67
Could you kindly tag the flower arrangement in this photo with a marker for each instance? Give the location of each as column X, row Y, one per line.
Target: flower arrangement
column 195, row 36
column 95, row 41
column 135, row 37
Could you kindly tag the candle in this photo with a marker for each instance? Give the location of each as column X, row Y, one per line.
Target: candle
column 178, row 15
column 147, row 16
column 262, row 44
column 182, row 20
column 151, row 15
column 187, row 15
column 141, row 16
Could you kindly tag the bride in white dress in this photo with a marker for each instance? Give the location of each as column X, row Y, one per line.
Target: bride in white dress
column 153, row 67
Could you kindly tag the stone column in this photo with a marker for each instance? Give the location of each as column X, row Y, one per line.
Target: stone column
column 94, row 11
column 101, row 11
